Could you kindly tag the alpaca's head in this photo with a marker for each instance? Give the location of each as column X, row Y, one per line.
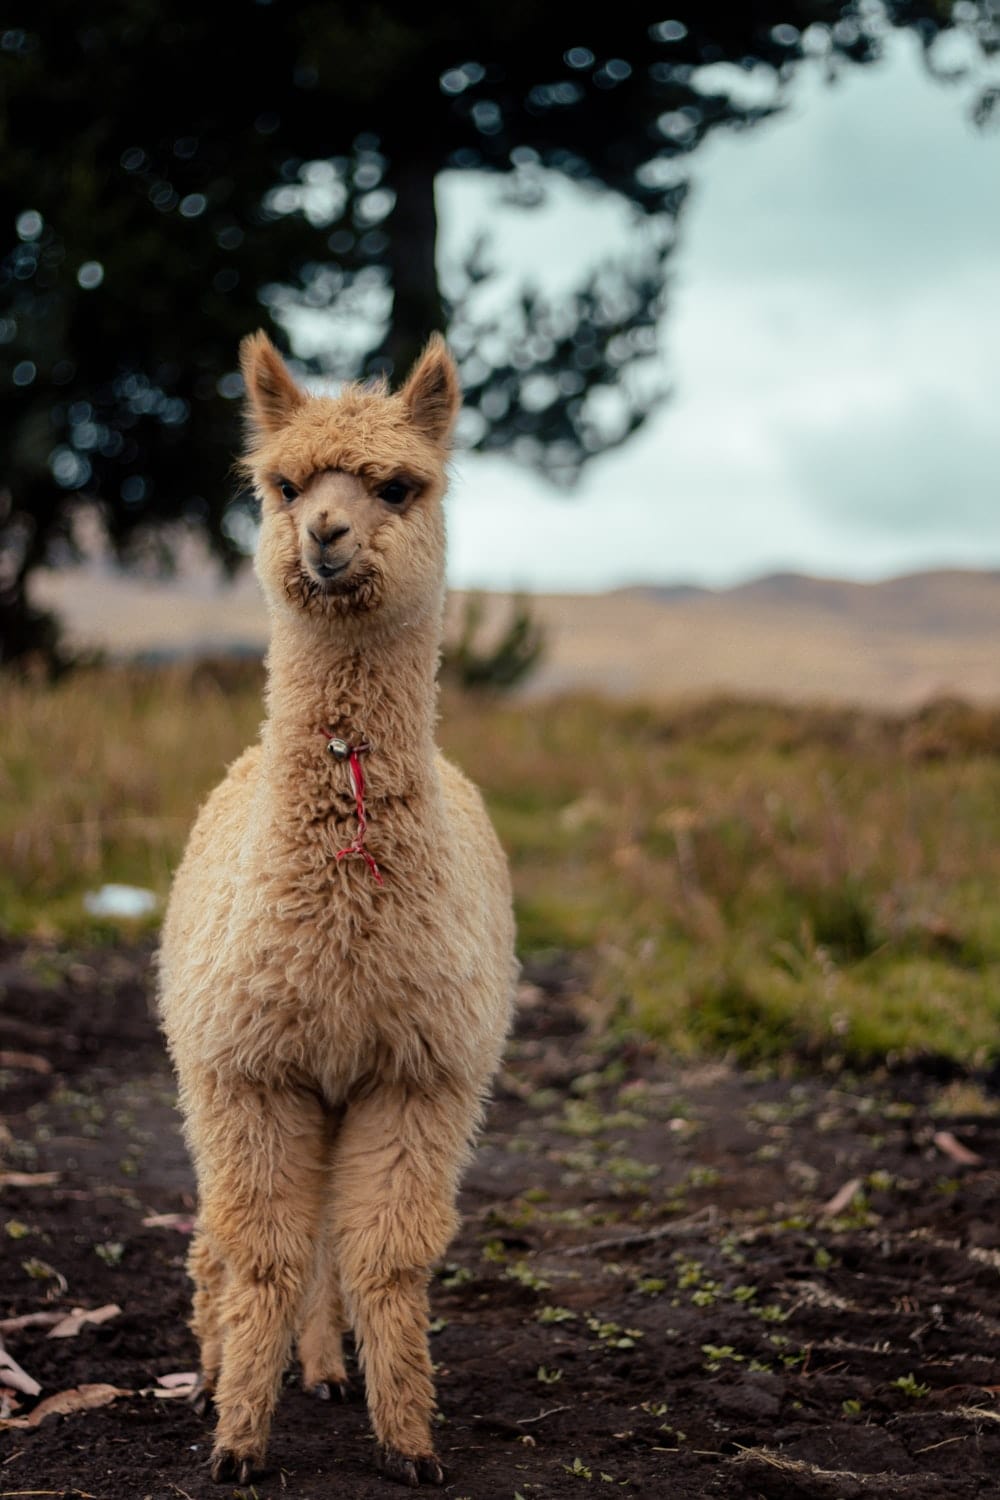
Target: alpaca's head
column 350, row 487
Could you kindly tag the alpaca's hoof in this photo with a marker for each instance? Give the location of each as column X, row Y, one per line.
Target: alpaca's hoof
column 323, row 1389
column 201, row 1397
column 228, row 1468
column 421, row 1469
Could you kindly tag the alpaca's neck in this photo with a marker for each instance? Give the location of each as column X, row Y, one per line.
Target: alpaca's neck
column 360, row 682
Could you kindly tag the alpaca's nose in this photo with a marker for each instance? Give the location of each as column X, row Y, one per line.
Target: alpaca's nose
column 324, row 533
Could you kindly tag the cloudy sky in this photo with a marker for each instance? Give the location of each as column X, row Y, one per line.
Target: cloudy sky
column 832, row 341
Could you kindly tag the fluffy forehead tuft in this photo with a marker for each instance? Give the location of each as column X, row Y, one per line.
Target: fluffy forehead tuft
column 361, row 431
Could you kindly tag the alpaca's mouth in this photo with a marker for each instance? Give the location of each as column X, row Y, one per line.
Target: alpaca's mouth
column 345, row 587
column 330, row 577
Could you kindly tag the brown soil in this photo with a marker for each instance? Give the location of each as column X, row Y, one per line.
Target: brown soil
column 645, row 1292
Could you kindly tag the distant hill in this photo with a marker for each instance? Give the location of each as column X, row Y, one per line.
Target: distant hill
column 945, row 600
column 892, row 644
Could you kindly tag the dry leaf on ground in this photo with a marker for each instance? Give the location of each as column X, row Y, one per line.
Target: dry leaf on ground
column 179, row 1378
column 71, row 1324
column 842, row 1198
column 952, row 1146
column 80, row 1398
column 28, row 1060
column 172, row 1387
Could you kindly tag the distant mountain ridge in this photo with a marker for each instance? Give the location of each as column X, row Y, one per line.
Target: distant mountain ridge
column 944, row 599
column 891, row 644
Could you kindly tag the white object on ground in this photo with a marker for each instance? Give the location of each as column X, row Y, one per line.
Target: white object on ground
column 120, row 901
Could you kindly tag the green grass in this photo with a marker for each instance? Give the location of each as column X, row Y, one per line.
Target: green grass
column 758, row 879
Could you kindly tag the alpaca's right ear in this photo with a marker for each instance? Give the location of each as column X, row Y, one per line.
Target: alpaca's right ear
column 272, row 395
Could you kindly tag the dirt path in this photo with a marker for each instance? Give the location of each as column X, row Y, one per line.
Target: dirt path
column 645, row 1293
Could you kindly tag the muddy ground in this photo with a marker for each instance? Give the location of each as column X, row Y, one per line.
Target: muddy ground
column 646, row 1292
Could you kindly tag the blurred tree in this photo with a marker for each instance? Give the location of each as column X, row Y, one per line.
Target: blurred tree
column 494, row 660
column 176, row 174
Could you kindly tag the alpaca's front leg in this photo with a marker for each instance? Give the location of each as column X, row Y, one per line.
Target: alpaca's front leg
column 395, row 1175
column 262, row 1163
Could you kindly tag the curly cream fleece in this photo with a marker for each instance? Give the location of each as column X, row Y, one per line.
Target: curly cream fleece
column 334, row 1039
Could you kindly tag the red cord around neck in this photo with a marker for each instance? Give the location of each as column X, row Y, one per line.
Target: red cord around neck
column 343, row 751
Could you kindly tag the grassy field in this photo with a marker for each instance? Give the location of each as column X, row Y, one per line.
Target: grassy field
column 765, row 880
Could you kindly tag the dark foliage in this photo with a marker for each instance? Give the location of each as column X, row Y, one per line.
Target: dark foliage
column 177, row 174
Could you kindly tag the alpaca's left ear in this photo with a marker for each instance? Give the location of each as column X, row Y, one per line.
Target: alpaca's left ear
column 432, row 395
column 272, row 395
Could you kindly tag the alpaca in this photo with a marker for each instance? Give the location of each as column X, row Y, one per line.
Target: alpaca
column 337, row 955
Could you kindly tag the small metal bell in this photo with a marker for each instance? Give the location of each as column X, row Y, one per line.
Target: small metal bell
column 339, row 749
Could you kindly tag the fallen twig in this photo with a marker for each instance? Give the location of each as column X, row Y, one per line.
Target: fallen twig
column 526, row 1421
column 11, row 1374
column 800, row 1467
column 182, row 1222
column 972, row 1414
column 72, row 1322
column 679, row 1228
column 30, row 1320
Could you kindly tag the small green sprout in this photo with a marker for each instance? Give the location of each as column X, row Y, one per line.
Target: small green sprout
column 911, row 1386
column 717, row 1354
column 770, row 1312
column 456, row 1276
column 614, row 1335
column 550, row 1314
column 521, row 1272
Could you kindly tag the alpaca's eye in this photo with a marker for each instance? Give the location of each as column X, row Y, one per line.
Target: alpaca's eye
column 395, row 492
column 288, row 490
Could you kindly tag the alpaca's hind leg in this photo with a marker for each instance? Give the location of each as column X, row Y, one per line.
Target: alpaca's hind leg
column 322, row 1326
column 262, row 1165
column 207, row 1270
column 395, row 1175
